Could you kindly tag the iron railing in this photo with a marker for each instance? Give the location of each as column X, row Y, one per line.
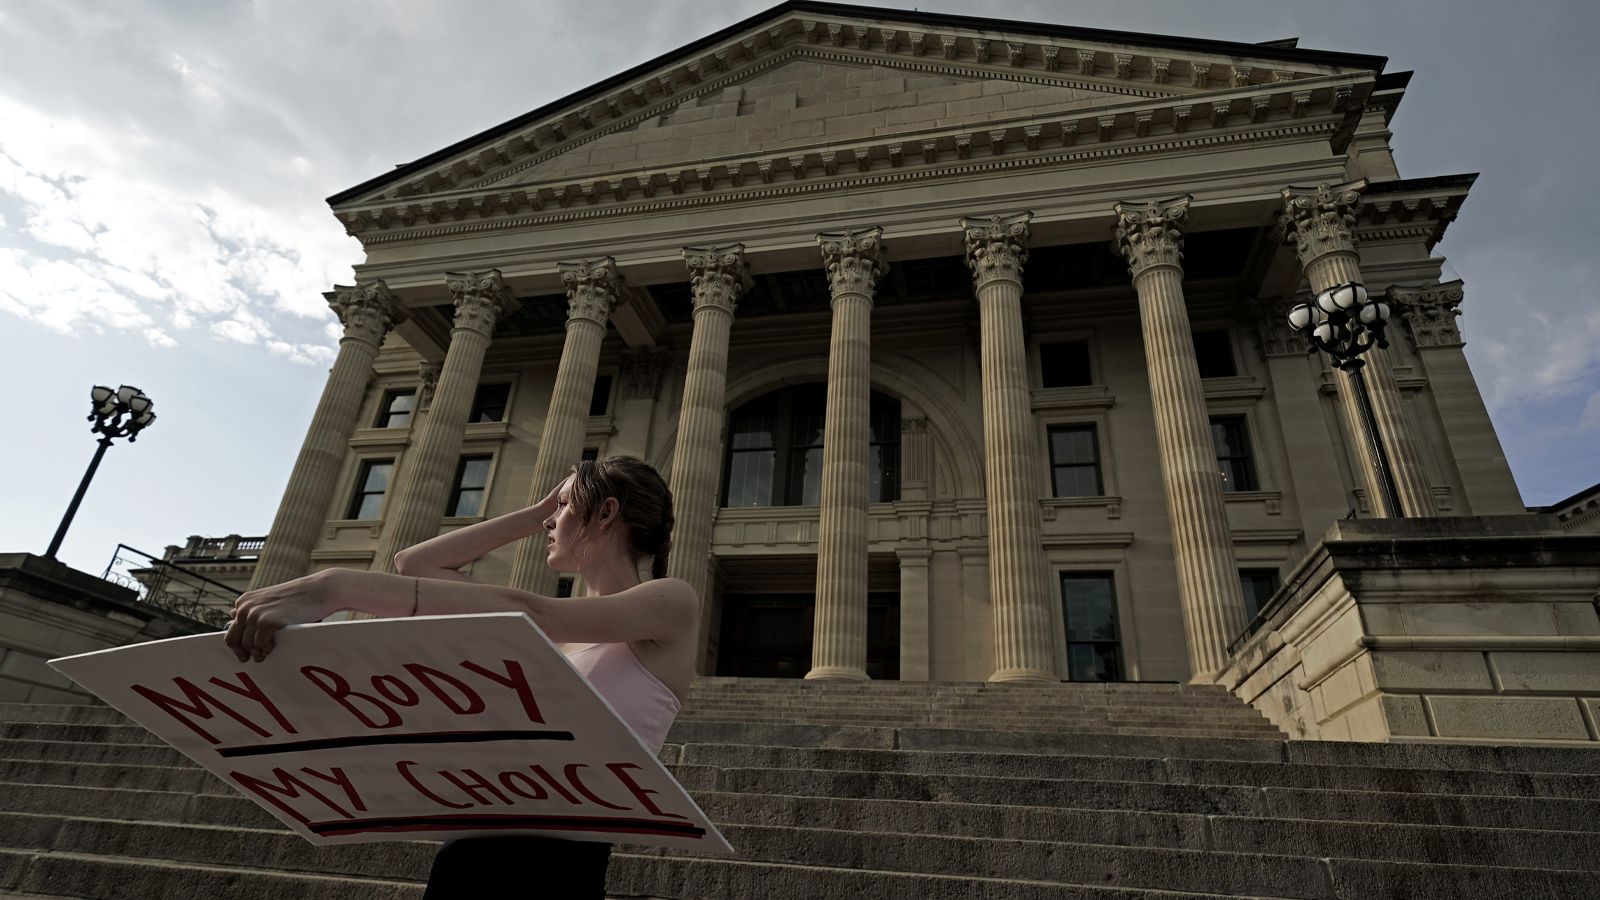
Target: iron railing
column 171, row 587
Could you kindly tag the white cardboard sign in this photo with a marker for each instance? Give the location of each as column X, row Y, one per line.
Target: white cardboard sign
column 397, row 729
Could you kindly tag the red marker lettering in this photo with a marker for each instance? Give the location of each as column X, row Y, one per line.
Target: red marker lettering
column 404, row 766
column 514, row 679
column 642, row 793
column 339, row 689
column 469, row 703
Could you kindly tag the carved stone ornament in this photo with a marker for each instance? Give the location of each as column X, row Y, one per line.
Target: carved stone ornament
column 918, row 425
column 1150, row 234
column 1321, row 220
column 367, row 310
column 428, row 378
column 718, row 276
column 1430, row 312
column 1270, row 315
column 593, row 289
column 854, row 259
column 480, row 298
column 997, row 247
column 641, row 372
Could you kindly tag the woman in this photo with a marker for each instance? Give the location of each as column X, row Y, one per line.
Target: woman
column 633, row 637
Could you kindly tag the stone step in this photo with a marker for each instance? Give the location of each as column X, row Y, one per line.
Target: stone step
column 1214, row 871
column 97, row 875
column 1002, row 725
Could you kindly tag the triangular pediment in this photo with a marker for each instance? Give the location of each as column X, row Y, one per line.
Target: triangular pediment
column 802, row 103
column 1070, row 67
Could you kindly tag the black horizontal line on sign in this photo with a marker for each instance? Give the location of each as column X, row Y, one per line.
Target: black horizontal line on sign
column 480, row 822
column 373, row 740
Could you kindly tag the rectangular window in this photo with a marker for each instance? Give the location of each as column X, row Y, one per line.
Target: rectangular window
column 1075, row 461
column 372, row 481
column 472, row 479
column 564, row 587
column 489, row 404
column 1065, row 364
column 752, row 454
column 600, row 400
column 1232, row 444
column 1258, row 586
column 1089, row 607
column 1214, row 352
column 883, row 453
column 590, row 454
column 397, row 409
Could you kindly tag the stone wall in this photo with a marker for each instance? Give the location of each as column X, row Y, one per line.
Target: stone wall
column 48, row 609
column 1462, row 629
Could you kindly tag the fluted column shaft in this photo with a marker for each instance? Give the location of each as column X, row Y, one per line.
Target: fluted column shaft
column 368, row 312
column 1024, row 639
column 424, row 480
column 855, row 262
column 593, row 288
column 1150, row 238
column 1321, row 223
column 717, row 278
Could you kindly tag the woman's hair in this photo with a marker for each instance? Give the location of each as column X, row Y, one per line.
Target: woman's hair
column 643, row 501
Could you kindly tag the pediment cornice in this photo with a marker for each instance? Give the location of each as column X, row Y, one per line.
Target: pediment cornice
column 1140, row 126
column 1411, row 209
column 1110, row 63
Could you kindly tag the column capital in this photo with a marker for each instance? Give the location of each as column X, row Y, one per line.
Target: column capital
column 594, row 287
column 1321, row 220
column 367, row 310
column 481, row 298
column 1430, row 312
column 854, row 259
column 641, row 370
column 1150, row 234
column 718, row 276
column 1270, row 315
column 997, row 246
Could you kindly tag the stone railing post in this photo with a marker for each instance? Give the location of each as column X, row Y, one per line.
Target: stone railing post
column 1320, row 222
column 855, row 261
column 1024, row 642
column 423, row 484
column 1150, row 237
column 593, row 289
column 368, row 311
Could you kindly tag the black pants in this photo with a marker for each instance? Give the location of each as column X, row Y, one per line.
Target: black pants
column 518, row 867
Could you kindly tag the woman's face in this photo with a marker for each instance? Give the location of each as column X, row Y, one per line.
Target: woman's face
column 565, row 529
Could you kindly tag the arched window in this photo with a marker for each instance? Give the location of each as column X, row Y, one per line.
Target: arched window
column 775, row 449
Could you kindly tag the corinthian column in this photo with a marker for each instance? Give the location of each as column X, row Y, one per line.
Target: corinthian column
column 1024, row 643
column 423, row 486
column 1150, row 237
column 855, row 262
column 1320, row 222
column 717, row 278
column 593, row 288
column 368, row 311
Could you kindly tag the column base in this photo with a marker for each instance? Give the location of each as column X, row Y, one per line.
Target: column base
column 1024, row 676
column 837, row 673
column 1208, row 677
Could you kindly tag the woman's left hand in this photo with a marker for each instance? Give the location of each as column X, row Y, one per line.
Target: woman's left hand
column 257, row 615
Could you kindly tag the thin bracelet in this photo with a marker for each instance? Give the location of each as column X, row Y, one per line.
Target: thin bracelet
column 416, row 594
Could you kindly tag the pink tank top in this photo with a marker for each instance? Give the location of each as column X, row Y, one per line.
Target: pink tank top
column 638, row 696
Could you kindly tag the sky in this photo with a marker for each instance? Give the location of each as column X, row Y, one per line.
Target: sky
column 163, row 169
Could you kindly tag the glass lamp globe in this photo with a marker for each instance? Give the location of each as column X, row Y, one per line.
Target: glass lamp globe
column 1300, row 317
column 1344, row 296
column 1373, row 313
column 1325, row 301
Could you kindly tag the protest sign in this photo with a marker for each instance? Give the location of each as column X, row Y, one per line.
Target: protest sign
column 394, row 729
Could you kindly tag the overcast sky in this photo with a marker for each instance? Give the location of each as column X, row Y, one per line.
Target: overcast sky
column 162, row 223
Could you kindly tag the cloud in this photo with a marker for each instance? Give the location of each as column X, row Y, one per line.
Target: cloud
column 1590, row 419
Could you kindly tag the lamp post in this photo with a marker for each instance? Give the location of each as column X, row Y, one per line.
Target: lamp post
column 123, row 412
column 1344, row 323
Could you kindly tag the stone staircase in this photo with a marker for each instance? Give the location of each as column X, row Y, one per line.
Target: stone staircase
column 888, row 791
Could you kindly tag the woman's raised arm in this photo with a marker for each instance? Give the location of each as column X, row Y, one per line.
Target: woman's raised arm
column 442, row 557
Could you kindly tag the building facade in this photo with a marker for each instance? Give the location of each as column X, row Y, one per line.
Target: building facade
column 962, row 343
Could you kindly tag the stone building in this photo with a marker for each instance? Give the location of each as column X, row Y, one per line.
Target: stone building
column 961, row 342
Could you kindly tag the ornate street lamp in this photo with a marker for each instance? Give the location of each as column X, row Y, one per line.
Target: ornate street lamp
column 123, row 412
column 1344, row 323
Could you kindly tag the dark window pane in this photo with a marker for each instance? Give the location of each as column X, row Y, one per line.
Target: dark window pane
column 472, row 476
column 371, row 483
column 1233, row 454
column 489, row 405
column 1089, row 608
column 563, row 587
column 590, row 453
column 1076, row 481
column 1075, row 461
column 396, row 411
column 750, row 477
column 1073, row 446
column 1258, row 586
column 1213, row 351
column 600, row 400
column 1065, row 364
column 805, row 477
